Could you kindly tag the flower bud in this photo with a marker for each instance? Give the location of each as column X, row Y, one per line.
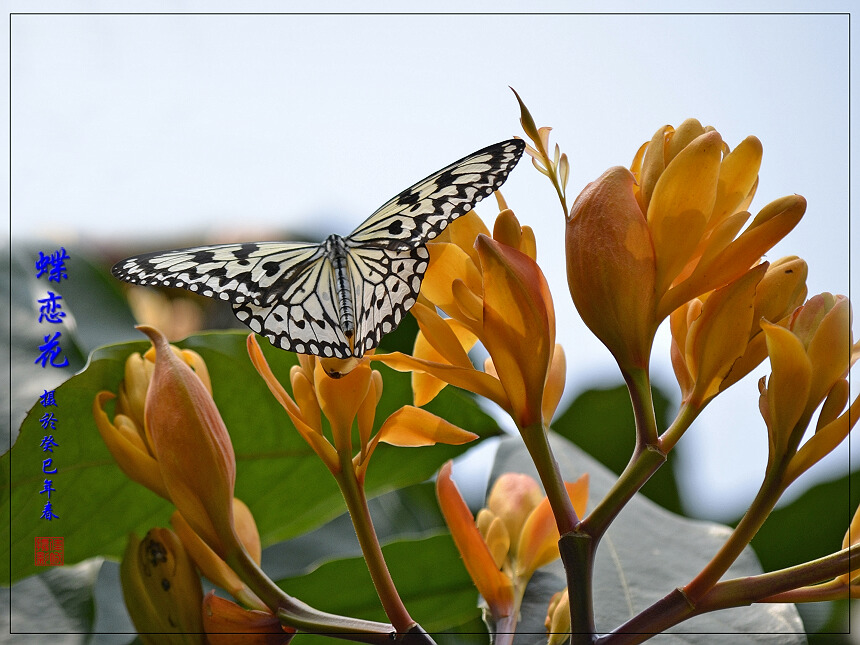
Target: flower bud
column 557, row 621
column 192, row 446
column 512, row 499
column 162, row 590
column 611, row 267
column 823, row 325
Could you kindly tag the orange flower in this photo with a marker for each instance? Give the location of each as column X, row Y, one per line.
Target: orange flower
column 495, row 587
column 510, row 539
column 642, row 243
column 493, row 291
column 346, row 400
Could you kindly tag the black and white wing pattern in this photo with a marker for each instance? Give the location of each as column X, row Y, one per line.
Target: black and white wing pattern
column 387, row 251
column 340, row 297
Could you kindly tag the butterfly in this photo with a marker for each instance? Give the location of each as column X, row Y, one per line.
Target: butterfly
column 337, row 298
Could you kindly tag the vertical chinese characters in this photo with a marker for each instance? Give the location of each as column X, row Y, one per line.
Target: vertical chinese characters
column 52, row 266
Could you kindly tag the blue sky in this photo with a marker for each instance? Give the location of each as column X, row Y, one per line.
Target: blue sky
column 155, row 129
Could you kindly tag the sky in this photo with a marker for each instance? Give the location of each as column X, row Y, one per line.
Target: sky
column 157, row 130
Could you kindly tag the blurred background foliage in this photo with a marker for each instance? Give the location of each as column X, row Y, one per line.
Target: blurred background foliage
column 86, row 598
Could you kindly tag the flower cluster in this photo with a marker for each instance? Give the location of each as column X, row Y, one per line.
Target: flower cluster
column 643, row 242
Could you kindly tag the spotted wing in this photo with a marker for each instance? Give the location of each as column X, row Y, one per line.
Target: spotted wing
column 385, row 285
column 235, row 272
column 422, row 211
column 282, row 290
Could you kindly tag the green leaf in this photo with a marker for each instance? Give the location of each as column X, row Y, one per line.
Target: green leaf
column 645, row 554
column 601, row 423
column 283, row 482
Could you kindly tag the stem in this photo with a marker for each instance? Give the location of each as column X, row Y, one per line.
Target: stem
column 297, row 614
column 669, row 610
column 686, row 415
column 642, row 465
column 537, row 443
column 777, row 586
column 356, row 503
column 762, row 505
column 577, row 553
column 639, row 386
column 649, row 454
column 677, row 607
column 506, row 629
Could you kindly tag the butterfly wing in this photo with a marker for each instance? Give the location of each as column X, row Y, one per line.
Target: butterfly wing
column 387, row 253
column 282, row 290
column 422, row 211
column 385, row 286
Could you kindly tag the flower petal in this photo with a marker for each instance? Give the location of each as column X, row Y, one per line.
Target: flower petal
column 493, row 585
column 317, row 442
column 681, row 205
column 773, row 223
column 127, row 449
column 448, row 262
column 467, row 379
column 411, row 426
column 340, row 400
column 823, row 442
column 738, row 174
column 554, row 384
column 721, row 333
column 788, row 385
column 227, row 623
column 829, row 350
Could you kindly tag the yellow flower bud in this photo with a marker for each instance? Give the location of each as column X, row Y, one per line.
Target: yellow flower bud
column 162, row 590
column 557, row 621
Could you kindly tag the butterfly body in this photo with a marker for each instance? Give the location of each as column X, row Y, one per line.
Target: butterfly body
column 340, row 297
